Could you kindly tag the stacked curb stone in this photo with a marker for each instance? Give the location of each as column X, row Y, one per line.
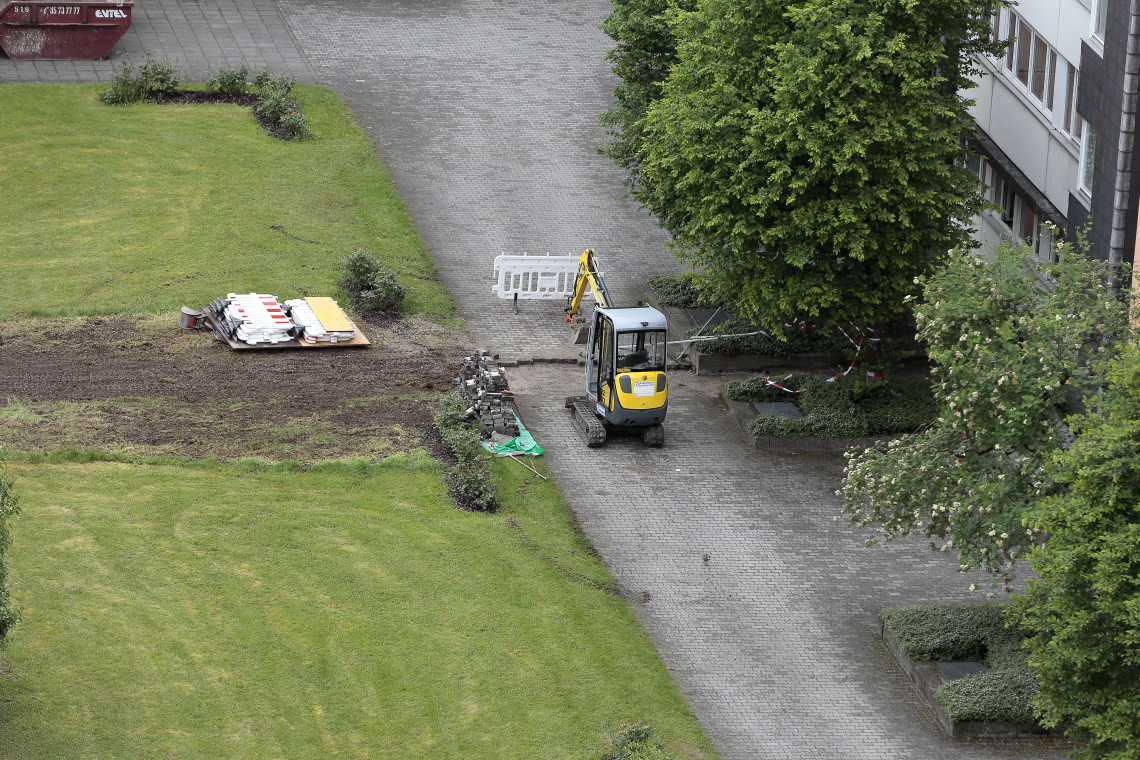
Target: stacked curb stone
column 488, row 397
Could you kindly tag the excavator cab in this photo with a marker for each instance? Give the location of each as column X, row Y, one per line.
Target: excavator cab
column 625, row 369
column 626, row 356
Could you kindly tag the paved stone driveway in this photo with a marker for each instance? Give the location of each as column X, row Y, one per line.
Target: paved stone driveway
column 198, row 34
column 485, row 113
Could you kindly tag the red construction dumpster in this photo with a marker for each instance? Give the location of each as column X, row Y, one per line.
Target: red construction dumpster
column 52, row 31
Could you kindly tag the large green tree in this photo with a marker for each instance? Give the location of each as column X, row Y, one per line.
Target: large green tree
column 809, row 157
column 642, row 59
column 1018, row 345
column 1084, row 607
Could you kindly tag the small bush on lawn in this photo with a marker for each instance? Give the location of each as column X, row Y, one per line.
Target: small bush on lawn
column 130, row 85
column 275, row 104
column 637, row 742
column 293, row 124
column 471, row 476
column 8, row 512
column 266, row 81
column 160, row 77
column 847, row 408
column 370, row 283
column 679, row 291
column 230, row 81
column 956, row 631
column 126, row 87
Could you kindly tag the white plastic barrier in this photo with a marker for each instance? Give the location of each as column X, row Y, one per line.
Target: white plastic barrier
column 534, row 277
column 262, row 318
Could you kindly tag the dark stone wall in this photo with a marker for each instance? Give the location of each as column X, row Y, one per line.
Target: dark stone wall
column 1099, row 103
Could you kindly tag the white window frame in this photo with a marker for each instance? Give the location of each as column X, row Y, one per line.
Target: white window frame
column 1075, row 127
column 1087, row 169
column 1009, row 63
column 1099, row 20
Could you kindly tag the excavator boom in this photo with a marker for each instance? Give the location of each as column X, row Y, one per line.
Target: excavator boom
column 588, row 274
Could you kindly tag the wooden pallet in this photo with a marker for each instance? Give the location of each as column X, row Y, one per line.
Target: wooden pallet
column 358, row 341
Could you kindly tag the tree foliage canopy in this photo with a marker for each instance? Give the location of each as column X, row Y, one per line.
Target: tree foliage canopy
column 1084, row 608
column 807, row 157
column 1018, row 345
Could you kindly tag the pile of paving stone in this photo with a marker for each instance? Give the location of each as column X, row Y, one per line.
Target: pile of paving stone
column 488, row 396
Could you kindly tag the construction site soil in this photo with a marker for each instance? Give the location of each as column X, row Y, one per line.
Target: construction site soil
column 141, row 385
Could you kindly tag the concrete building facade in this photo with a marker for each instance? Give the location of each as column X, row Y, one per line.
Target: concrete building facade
column 1056, row 121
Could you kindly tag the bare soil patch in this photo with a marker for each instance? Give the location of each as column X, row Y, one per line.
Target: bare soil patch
column 144, row 385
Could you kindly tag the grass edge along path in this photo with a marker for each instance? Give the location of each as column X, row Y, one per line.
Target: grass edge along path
column 145, row 208
column 195, row 609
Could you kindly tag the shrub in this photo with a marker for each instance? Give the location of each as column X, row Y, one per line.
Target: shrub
column 160, row 77
column 779, row 426
column 471, row 476
column 9, row 509
column 847, row 408
column 679, row 291
column 293, row 124
column 957, row 631
column 230, row 81
column 370, row 283
column 796, row 340
column 756, row 387
column 637, row 742
column 452, row 411
column 273, row 104
column 267, row 82
column 1003, row 695
column 1081, row 609
column 126, row 87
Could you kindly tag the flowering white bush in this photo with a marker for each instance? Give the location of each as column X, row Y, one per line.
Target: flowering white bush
column 1018, row 344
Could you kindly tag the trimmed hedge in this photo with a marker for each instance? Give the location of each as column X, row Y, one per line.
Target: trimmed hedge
column 958, row 631
column 797, row 340
column 847, row 408
column 679, row 291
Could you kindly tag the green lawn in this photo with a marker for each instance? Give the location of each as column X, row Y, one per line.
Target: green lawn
column 145, row 208
column 230, row 611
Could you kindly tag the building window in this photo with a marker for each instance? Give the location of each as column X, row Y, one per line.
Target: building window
column 1088, row 161
column 1015, row 212
column 1031, row 61
column 1099, row 18
column 1040, row 67
column 1073, row 122
column 1024, row 50
column 1009, row 53
column 1052, row 79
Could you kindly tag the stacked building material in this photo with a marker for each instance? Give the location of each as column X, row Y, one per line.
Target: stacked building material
column 488, row 396
column 256, row 318
column 320, row 320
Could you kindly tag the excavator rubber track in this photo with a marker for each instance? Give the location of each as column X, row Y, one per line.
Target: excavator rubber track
column 587, row 423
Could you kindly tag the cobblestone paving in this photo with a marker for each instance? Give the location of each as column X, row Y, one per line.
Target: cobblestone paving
column 485, row 113
column 763, row 606
column 198, row 34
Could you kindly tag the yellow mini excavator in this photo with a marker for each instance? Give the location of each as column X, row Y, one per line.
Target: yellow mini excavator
column 626, row 355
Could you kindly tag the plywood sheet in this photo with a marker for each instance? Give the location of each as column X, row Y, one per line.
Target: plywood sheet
column 332, row 317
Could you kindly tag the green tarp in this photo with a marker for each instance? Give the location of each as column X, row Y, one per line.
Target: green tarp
column 521, row 444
